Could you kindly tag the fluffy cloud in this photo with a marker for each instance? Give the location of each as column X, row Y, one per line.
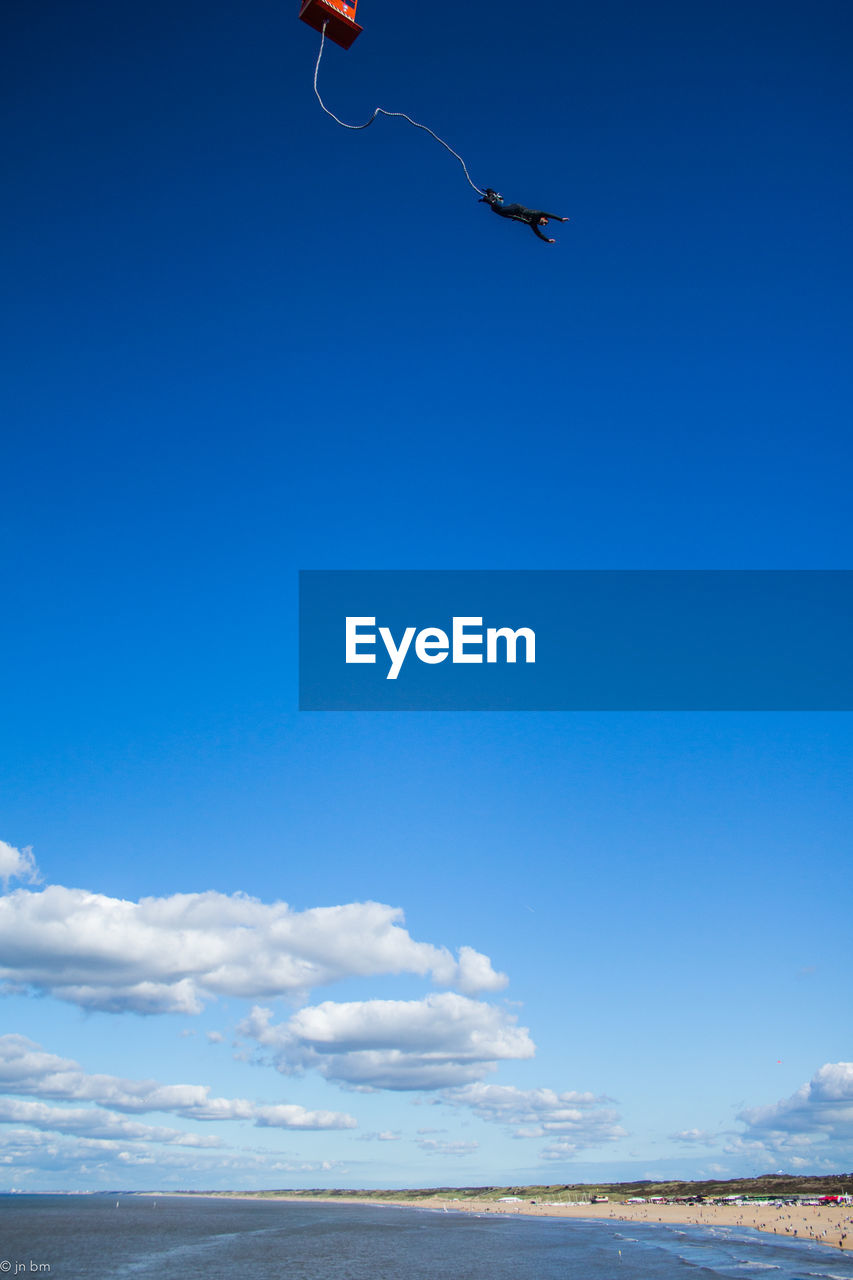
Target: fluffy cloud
column 92, row 1123
column 284, row 1116
column 440, row 1041
column 173, row 954
column 27, row 1070
column 811, row 1129
column 819, row 1115
column 572, row 1120
column 824, row 1105
column 17, row 864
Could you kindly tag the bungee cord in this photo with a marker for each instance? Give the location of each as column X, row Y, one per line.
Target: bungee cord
column 380, row 111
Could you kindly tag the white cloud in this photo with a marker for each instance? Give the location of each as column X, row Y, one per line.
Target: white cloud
column 443, row 1040
column 173, row 954
column 824, row 1104
column 574, row 1121
column 561, row 1149
column 811, row 1129
column 17, row 864
column 816, row 1120
column 93, row 1123
column 284, row 1116
column 26, row 1069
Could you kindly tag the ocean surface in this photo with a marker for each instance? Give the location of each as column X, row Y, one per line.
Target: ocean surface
column 173, row 1238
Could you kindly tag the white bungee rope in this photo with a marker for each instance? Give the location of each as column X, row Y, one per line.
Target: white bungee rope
column 380, row 111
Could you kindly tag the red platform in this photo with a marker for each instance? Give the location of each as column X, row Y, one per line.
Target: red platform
column 339, row 17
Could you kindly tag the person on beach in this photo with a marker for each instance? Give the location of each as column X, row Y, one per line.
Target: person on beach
column 535, row 218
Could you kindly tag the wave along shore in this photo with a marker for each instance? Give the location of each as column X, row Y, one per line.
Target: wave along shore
column 831, row 1225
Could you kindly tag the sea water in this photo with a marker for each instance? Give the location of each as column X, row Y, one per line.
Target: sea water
column 187, row 1238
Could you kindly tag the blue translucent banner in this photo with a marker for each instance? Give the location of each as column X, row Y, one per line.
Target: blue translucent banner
column 575, row 640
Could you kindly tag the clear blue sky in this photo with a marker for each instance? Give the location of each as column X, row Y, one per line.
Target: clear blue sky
column 239, row 341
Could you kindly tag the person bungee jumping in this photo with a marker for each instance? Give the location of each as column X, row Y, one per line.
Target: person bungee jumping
column 535, row 218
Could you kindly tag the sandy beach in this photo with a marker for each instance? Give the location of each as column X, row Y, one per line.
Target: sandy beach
column 830, row 1225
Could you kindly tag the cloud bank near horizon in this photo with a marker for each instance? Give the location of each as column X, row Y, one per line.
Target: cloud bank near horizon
column 31, row 1152
column 810, row 1129
column 813, row 1125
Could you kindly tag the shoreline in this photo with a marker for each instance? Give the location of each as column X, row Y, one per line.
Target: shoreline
column 829, row 1225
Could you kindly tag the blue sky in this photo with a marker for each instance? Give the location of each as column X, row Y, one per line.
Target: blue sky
column 240, row 342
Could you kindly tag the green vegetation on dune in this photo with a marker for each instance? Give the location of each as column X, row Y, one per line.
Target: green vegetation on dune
column 771, row 1186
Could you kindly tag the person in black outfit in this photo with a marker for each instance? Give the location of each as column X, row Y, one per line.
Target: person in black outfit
column 535, row 218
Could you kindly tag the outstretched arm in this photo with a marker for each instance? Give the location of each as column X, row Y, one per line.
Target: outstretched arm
column 533, row 227
column 555, row 216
